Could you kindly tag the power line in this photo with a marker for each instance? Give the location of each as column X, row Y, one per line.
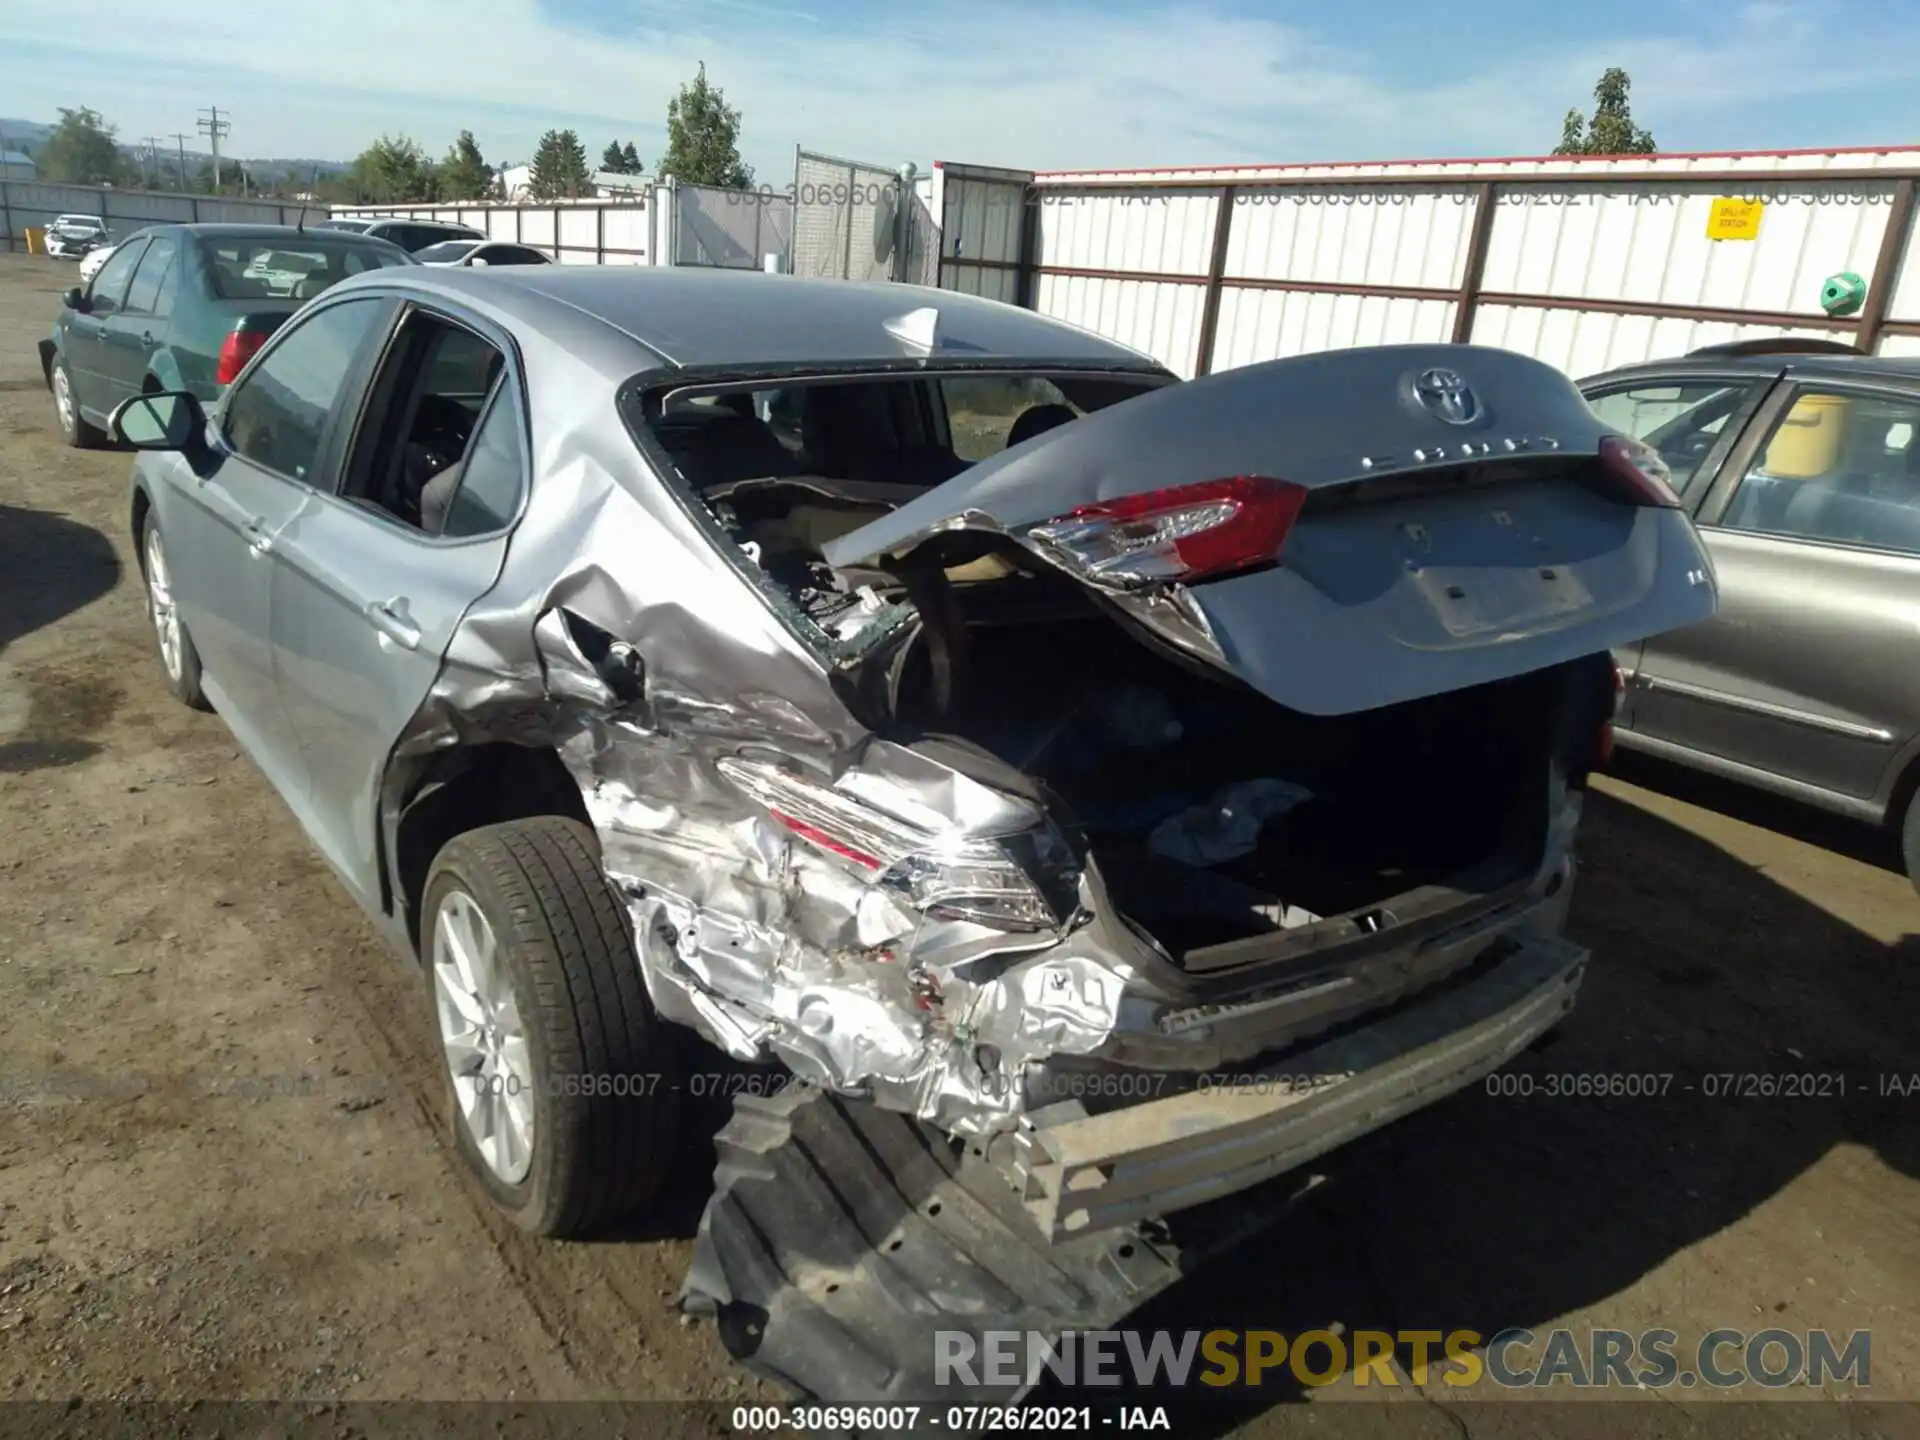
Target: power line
column 213, row 125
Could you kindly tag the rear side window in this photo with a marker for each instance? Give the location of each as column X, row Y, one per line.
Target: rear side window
column 424, row 425
column 152, row 290
column 987, row 413
column 489, row 490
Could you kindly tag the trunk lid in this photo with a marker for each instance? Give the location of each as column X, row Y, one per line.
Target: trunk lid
column 1452, row 522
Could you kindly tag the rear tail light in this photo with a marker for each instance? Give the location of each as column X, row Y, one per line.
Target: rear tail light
column 236, row 350
column 1642, row 475
column 937, row 872
column 1187, row 533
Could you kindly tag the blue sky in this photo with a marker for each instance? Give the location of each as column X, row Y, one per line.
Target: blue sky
column 1072, row 84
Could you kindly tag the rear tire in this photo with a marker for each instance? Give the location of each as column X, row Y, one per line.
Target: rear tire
column 74, row 427
column 562, row 1079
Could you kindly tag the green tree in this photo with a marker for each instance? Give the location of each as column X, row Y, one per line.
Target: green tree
column 465, row 174
column 1611, row 131
column 81, row 151
column 560, row 167
column 703, row 137
column 395, row 171
column 620, row 159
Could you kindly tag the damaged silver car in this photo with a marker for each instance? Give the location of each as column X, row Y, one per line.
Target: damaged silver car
column 1140, row 786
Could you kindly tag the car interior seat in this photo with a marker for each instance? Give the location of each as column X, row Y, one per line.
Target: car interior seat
column 1037, row 420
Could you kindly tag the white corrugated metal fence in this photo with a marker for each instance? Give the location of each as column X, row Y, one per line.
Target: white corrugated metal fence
column 1585, row 264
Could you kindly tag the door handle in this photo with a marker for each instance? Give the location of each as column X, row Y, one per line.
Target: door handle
column 389, row 617
column 259, row 542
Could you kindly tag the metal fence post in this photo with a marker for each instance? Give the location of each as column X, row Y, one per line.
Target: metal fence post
column 599, row 234
column 6, row 212
column 1026, row 279
column 1486, row 205
column 1886, row 267
column 1224, row 205
column 853, row 184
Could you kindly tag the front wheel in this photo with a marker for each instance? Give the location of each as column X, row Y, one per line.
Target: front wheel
column 177, row 656
column 565, row 1095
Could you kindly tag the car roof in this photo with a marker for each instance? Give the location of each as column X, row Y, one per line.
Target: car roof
column 746, row 318
column 453, row 226
column 1904, row 369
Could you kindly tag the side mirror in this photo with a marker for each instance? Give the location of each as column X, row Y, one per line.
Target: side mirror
column 172, row 420
column 75, row 299
column 479, row 262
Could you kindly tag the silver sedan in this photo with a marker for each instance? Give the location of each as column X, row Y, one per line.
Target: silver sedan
column 936, row 701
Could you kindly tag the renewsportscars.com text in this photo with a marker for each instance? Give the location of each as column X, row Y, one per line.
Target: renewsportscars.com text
column 1511, row 1359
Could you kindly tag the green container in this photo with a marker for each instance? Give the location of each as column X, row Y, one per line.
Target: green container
column 1843, row 294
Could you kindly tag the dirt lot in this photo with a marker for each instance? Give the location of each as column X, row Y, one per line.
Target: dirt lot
column 221, row 1163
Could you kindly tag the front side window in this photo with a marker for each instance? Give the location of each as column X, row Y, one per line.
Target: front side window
column 278, row 414
column 1683, row 421
column 1840, row 467
column 109, row 291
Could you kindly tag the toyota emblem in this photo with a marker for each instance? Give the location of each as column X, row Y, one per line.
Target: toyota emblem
column 1447, row 397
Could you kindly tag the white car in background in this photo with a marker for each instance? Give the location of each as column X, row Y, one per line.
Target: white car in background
column 73, row 237
column 91, row 262
column 480, row 253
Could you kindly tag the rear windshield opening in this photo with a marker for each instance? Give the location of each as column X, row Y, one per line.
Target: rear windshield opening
column 783, row 468
column 289, row 267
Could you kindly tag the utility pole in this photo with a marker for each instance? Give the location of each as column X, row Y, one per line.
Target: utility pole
column 213, row 126
column 182, row 142
column 152, row 144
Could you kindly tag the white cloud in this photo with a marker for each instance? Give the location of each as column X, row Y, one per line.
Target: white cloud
column 990, row 81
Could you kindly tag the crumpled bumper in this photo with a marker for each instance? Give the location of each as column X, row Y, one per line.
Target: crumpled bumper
column 1093, row 1172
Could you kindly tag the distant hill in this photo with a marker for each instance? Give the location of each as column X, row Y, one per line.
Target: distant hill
column 30, row 135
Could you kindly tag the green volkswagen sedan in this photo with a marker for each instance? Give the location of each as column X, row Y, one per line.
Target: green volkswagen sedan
column 184, row 307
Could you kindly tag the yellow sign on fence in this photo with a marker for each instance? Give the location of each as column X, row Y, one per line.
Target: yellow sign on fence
column 1735, row 219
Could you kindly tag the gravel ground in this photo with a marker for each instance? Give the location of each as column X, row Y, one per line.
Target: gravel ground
column 222, row 1163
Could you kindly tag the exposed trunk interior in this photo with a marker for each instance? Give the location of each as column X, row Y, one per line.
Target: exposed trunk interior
column 1215, row 814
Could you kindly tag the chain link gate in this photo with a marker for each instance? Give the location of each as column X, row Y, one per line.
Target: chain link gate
column 853, row 221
